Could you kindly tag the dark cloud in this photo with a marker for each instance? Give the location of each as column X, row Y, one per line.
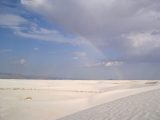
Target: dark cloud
column 128, row 28
column 110, row 24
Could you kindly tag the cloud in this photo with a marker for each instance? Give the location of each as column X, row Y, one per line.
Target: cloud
column 29, row 29
column 113, row 63
column 106, row 63
column 104, row 23
column 23, row 61
column 35, row 49
column 82, row 57
column 80, row 54
column 39, row 33
column 144, row 42
column 5, row 50
column 87, row 60
column 11, row 20
column 20, row 61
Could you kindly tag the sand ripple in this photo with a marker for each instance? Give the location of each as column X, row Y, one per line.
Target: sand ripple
column 143, row 106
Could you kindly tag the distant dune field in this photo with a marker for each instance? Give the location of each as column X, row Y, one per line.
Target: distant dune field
column 79, row 99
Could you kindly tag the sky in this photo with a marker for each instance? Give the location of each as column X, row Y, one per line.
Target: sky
column 81, row 39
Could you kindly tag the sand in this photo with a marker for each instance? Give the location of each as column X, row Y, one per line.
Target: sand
column 56, row 99
column 144, row 106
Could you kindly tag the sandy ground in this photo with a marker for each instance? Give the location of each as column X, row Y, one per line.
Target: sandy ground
column 55, row 99
column 144, row 106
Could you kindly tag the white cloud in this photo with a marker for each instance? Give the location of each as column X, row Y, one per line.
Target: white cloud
column 33, row 31
column 80, row 54
column 75, row 58
column 107, row 63
column 83, row 58
column 145, row 42
column 23, row 61
column 43, row 34
column 113, row 63
column 10, row 20
column 36, row 49
column 36, row 2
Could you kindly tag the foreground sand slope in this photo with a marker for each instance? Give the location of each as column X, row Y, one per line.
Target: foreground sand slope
column 143, row 106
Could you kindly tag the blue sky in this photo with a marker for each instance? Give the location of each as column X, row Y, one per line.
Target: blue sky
column 92, row 39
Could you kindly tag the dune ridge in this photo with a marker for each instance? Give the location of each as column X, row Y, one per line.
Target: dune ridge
column 142, row 106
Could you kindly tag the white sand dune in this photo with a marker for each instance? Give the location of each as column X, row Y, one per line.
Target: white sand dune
column 144, row 106
column 55, row 99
